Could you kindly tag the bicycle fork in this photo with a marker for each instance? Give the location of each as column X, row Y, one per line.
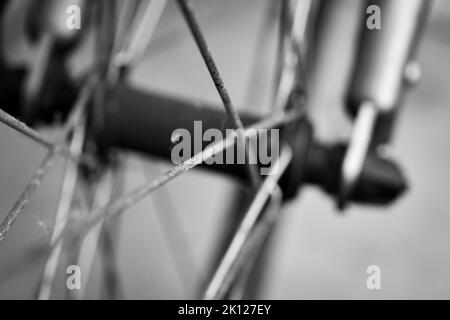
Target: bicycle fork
column 386, row 65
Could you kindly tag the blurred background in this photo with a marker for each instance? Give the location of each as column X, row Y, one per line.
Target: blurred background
column 317, row 253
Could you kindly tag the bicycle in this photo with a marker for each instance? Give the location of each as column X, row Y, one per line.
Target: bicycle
column 109, row 115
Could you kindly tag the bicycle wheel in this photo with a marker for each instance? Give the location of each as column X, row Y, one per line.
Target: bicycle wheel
column 94, row 174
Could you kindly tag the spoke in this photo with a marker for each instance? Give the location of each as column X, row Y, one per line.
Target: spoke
column 144, row 29
column 112, row 285
column 62, row 215
column 108, row 238
column 137, row 195
column 298, row 37
column 120, row 205
column 90, row 243
column 261, row 55
column 239, row 250
column 22, row 128
column 243, row 281
column 26, row 195
column 47, row 163
column 177, row 239
column 292, row 51
column 299, row 32
column 188, row 13
column 128, row 11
